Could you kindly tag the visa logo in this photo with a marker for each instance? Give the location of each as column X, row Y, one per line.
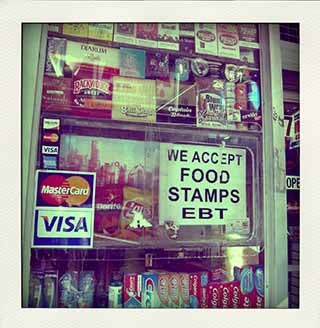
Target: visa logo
column 64, row 224
column 53, row 150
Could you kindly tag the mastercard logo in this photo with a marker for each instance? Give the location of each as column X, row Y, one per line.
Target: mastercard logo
column 58, row 190
column 50, row 137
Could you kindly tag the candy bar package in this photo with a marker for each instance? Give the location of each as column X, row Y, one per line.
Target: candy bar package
column 125, row 33
column 55, row 57
column 68, row 287
column 86, row 289
column 92, row 90
column 80, row 30
column 206, row 39
column 36, row 285
column 168, row 36
column 147, row 35
column 133, row 100
column 211, row 110
column 100, row 31
column 56, row 94
column 132, row 62
column 157, row 65
column 132, row 290
column 228, row 41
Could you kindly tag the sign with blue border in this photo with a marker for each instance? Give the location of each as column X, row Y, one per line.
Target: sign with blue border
column 64, row 209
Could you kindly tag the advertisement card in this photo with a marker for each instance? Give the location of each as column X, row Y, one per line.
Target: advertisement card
column 80, row 30
column 132, row 62
column 206, row 39
column 168, row 36
column 125, row 33
column 100, row 31
column 248, row 35
column 55, row 57
column 228, row 41
column 133, row 100
column 186, row 29
column 157, row 65
column 64, row 209
column 92, row 89
column 147, row 35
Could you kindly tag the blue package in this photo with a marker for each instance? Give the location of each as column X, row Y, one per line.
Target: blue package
column 69, row 290
column 246, row 280
column 259, row 279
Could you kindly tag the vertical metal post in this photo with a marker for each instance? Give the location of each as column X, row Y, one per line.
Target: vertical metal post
column 276, row 277
column 34, row 50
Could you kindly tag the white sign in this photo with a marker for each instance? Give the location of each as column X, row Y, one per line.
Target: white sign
column 293, row 182
column 202, row 185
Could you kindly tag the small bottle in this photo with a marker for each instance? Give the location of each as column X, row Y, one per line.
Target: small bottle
column 115, row 291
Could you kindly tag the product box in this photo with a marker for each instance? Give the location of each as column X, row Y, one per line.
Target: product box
column 157, row 65
column 132, row 290
column 258, row 286
column 184, row 289
column 125, row 33
column 163, row 289
column 211, row 110
column 235, row 294
column 80, row 30
column 132, row 62
column 248, row 35
column 149, row 296
column 187, row 38
column 245, row 276
column 89, row 53
column 197, row 289
column 100, row 31
column 147, row 35
column 168, row 36
column 92, row 90
column 56, row 93
column 206, row 39
column 214, row 295
column 174, row 290
column 55, row 57
column 228, row 41
column 133, row 100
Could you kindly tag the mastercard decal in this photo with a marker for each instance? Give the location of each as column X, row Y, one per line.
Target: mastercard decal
column 72, row 189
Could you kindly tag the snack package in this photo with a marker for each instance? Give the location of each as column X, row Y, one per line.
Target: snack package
column 136, row 213
column 86, row 289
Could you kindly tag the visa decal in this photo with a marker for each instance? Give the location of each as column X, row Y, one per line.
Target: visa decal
column 64, row 209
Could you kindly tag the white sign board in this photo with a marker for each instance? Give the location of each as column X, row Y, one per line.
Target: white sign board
column 202, row 185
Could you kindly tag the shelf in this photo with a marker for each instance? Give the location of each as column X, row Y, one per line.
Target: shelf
column 210, row 58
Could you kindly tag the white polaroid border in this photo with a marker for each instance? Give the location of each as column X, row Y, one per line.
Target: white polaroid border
column 14, row 13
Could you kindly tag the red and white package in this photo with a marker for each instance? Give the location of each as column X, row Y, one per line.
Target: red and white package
column 132, row 290
column 92, row 90
column 235, row 294
column 214, row 298
column 198, row 289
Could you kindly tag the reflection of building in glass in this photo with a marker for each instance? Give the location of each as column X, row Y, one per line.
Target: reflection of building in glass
column 94, row 159
column 113, row 172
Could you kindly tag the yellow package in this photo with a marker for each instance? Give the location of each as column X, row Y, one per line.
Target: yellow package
column 75, row 30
